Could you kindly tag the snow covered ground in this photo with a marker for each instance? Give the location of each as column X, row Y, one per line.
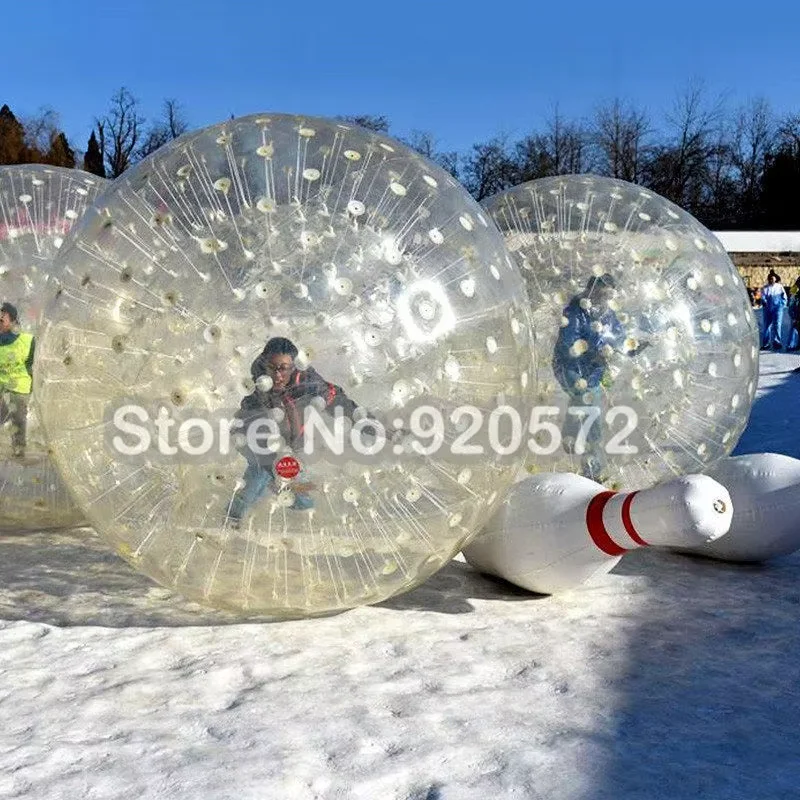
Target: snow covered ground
column 672, row 677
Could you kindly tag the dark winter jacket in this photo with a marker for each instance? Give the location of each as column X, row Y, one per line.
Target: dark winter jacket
column 596, row 329
column 303, row 387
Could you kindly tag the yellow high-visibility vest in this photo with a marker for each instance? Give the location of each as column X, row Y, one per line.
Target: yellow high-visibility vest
column 14, row 375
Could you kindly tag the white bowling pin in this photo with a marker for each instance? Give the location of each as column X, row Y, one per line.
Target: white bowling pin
column 555, row 531
column 765, row 489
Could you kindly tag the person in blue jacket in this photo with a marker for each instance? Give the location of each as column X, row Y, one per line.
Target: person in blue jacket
column 590, row 334
column 773, row 303
column 793, row 309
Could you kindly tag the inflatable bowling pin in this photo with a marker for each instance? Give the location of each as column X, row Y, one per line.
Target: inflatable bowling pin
column 555, row 531
column 765, row 489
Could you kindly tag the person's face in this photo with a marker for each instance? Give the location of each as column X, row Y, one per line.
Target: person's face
column 5, row 322
column 771, row 279
column 279, row 369
column 605, row 295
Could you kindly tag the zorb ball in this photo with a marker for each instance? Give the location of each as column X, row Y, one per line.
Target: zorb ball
column 38, row 207
column 250, row 275
column 646, row 349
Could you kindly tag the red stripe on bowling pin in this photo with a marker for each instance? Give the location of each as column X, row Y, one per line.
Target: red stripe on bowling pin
column 596, row 526
column 628, row 522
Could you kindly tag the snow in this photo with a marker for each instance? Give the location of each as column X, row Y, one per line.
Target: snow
column 759, row 241
column 672, row 677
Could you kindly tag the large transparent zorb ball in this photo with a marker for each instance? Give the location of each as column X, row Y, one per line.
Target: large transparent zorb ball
column 646, row 348
column 265, row 269
column 38, row 207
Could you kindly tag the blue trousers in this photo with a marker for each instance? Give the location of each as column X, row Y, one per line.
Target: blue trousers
column 593, row 459
column 257, row 481
column 773, row 322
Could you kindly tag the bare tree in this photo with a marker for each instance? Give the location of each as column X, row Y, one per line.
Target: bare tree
column 619, row 135
column 789, row 134
column 41, row 129
column 718, row 205
column 425, row 144
column 45, row 142
column 169, row 126
column 679, row 168
column 568, row 142
column 379, row 124
column 533, row 158
column 119, row 132
column 752, row 141
column 489, row 168
column 561, row 150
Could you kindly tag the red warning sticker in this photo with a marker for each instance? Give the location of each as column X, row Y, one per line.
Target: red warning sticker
column 287, row 467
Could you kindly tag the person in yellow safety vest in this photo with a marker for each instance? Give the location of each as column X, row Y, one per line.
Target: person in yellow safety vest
column 16, row 377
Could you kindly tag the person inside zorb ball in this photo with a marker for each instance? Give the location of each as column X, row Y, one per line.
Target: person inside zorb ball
column 16, row 377
column 278, row 336
column 39, row 204
column 646, row 349
column 282, row 394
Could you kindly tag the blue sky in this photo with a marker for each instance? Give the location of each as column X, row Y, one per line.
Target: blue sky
column 463, row 71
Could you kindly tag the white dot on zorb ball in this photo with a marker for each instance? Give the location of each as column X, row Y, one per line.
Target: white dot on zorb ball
column 427, row 309
column 343, row 286
column 306, row 266
column 413, row 494
column 350, row 495
column 39, row 206
column 212, row 333
column 631, row 307
column 356, row 208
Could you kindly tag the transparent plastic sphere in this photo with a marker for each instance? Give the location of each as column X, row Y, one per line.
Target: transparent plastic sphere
column 393, row 288
column 38, row 207
column 641, row 320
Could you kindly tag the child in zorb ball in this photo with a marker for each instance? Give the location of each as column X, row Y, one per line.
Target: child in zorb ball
column 282, row 398
column 590, row 334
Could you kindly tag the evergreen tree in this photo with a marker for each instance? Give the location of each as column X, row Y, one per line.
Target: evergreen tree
column 780, row 189
column 93, row 159
column 12, row 139
column 60, row 153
